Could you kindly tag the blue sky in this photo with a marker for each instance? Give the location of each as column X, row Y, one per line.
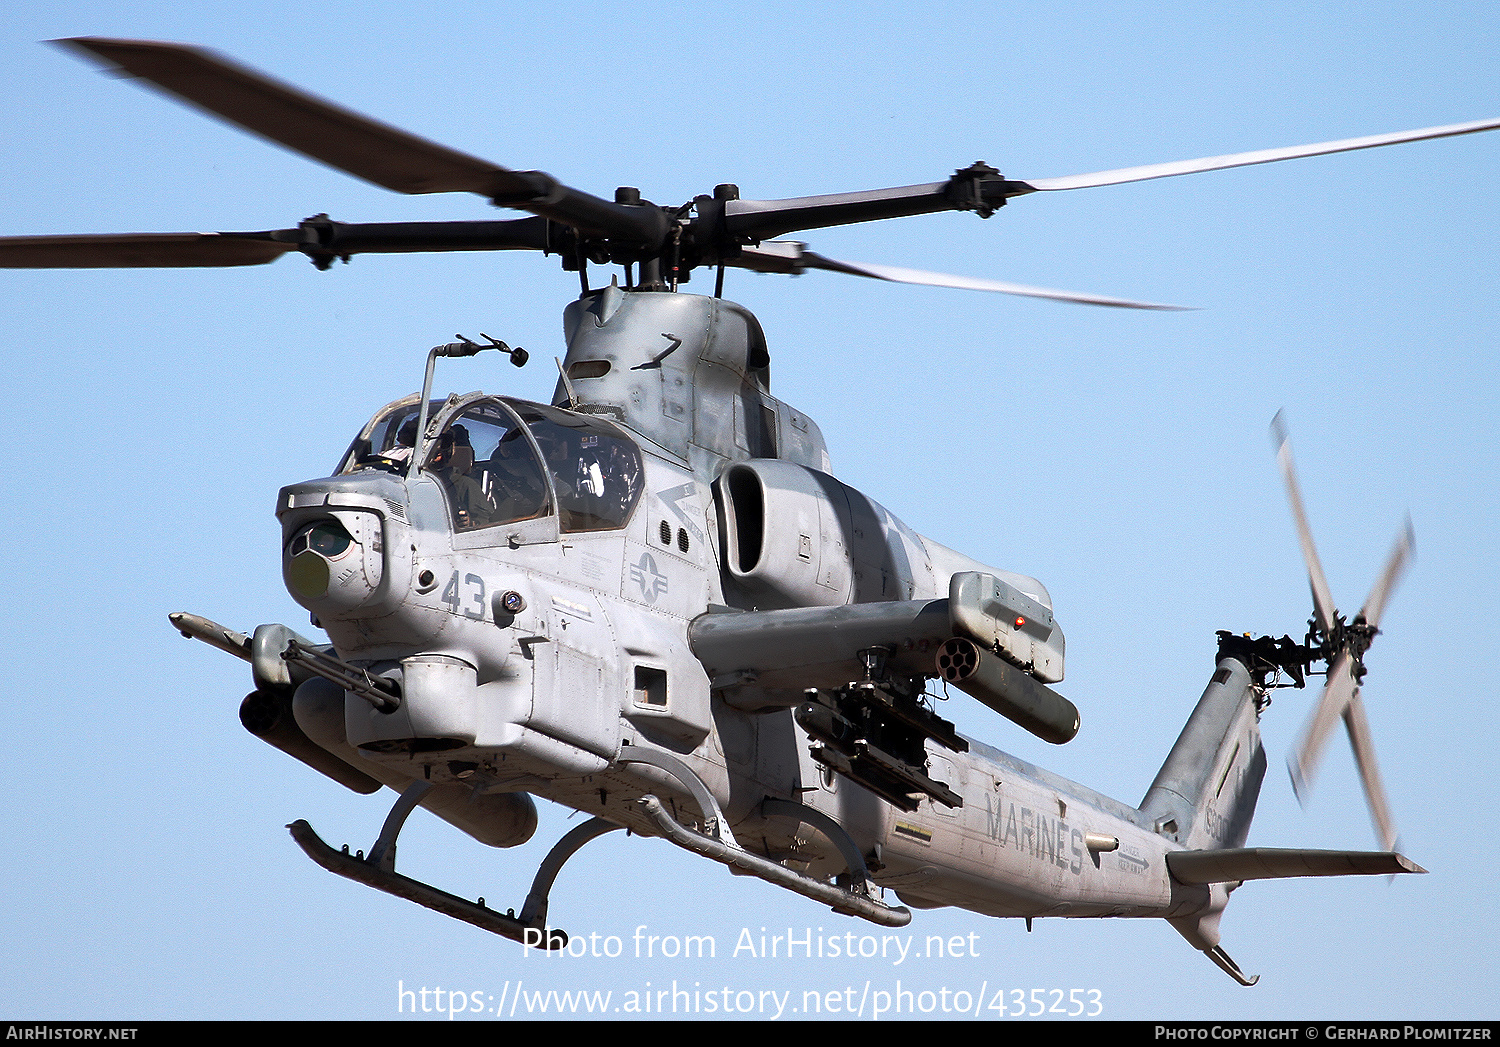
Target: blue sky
column 1122, row 458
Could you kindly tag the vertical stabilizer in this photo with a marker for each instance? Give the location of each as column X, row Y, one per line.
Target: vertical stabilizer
column 1205, row 793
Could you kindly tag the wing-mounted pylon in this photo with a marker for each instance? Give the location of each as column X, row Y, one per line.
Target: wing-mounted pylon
column 1341, row 644
column 856, row 676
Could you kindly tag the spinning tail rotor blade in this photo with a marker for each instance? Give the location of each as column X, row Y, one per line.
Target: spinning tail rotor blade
column 1354, row 711
column 1338, row 692
column 1341, row 699
column 1395, row 567
column 785, row 256
column 1344, row 645
column 1323, row 606
column 1369, row 774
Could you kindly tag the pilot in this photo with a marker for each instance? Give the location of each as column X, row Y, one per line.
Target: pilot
column 571, row 458
column 451, row 462
column 519, row 488
column 406, row 438
column 561, row 461
column 624, row 476
column 590, row 472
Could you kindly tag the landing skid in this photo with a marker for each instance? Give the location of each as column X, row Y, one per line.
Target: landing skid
column 850, row 894
column 378, row 870
column 480, row 915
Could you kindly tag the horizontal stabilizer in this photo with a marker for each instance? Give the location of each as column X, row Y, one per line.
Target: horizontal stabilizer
column 1276, row 863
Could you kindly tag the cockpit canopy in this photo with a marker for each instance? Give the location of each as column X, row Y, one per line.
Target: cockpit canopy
column 501, row 461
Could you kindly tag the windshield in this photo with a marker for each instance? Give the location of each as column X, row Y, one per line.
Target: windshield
column 386, row 442
column 488, row 468
column 595, row 469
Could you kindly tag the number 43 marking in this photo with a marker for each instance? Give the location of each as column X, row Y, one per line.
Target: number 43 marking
column 468, row 599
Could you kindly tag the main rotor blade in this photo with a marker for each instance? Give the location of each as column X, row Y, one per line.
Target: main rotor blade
column 336, row 136
column 981, row 188
column 1260, row 156
column 792, row 257
column 1323, row 606
column 139, row 250
column 764, row 219
column 1369, row 774
column 326, row 237
column 320, row 238
column 359, row 145
column 1395, row 566
column 1339, row 690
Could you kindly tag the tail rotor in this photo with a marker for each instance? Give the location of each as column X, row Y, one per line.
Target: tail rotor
column 1342, row 645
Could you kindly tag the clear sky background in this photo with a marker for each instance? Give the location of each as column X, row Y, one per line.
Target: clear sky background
column 1120, row 457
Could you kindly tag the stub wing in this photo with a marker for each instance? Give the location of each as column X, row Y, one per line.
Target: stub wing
column 768, row 659
column 785, row 652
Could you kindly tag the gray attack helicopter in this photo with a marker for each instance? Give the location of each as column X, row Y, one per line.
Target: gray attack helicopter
column 651, row 602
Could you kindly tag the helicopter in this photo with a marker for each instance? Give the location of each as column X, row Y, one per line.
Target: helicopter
column 668, row 677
